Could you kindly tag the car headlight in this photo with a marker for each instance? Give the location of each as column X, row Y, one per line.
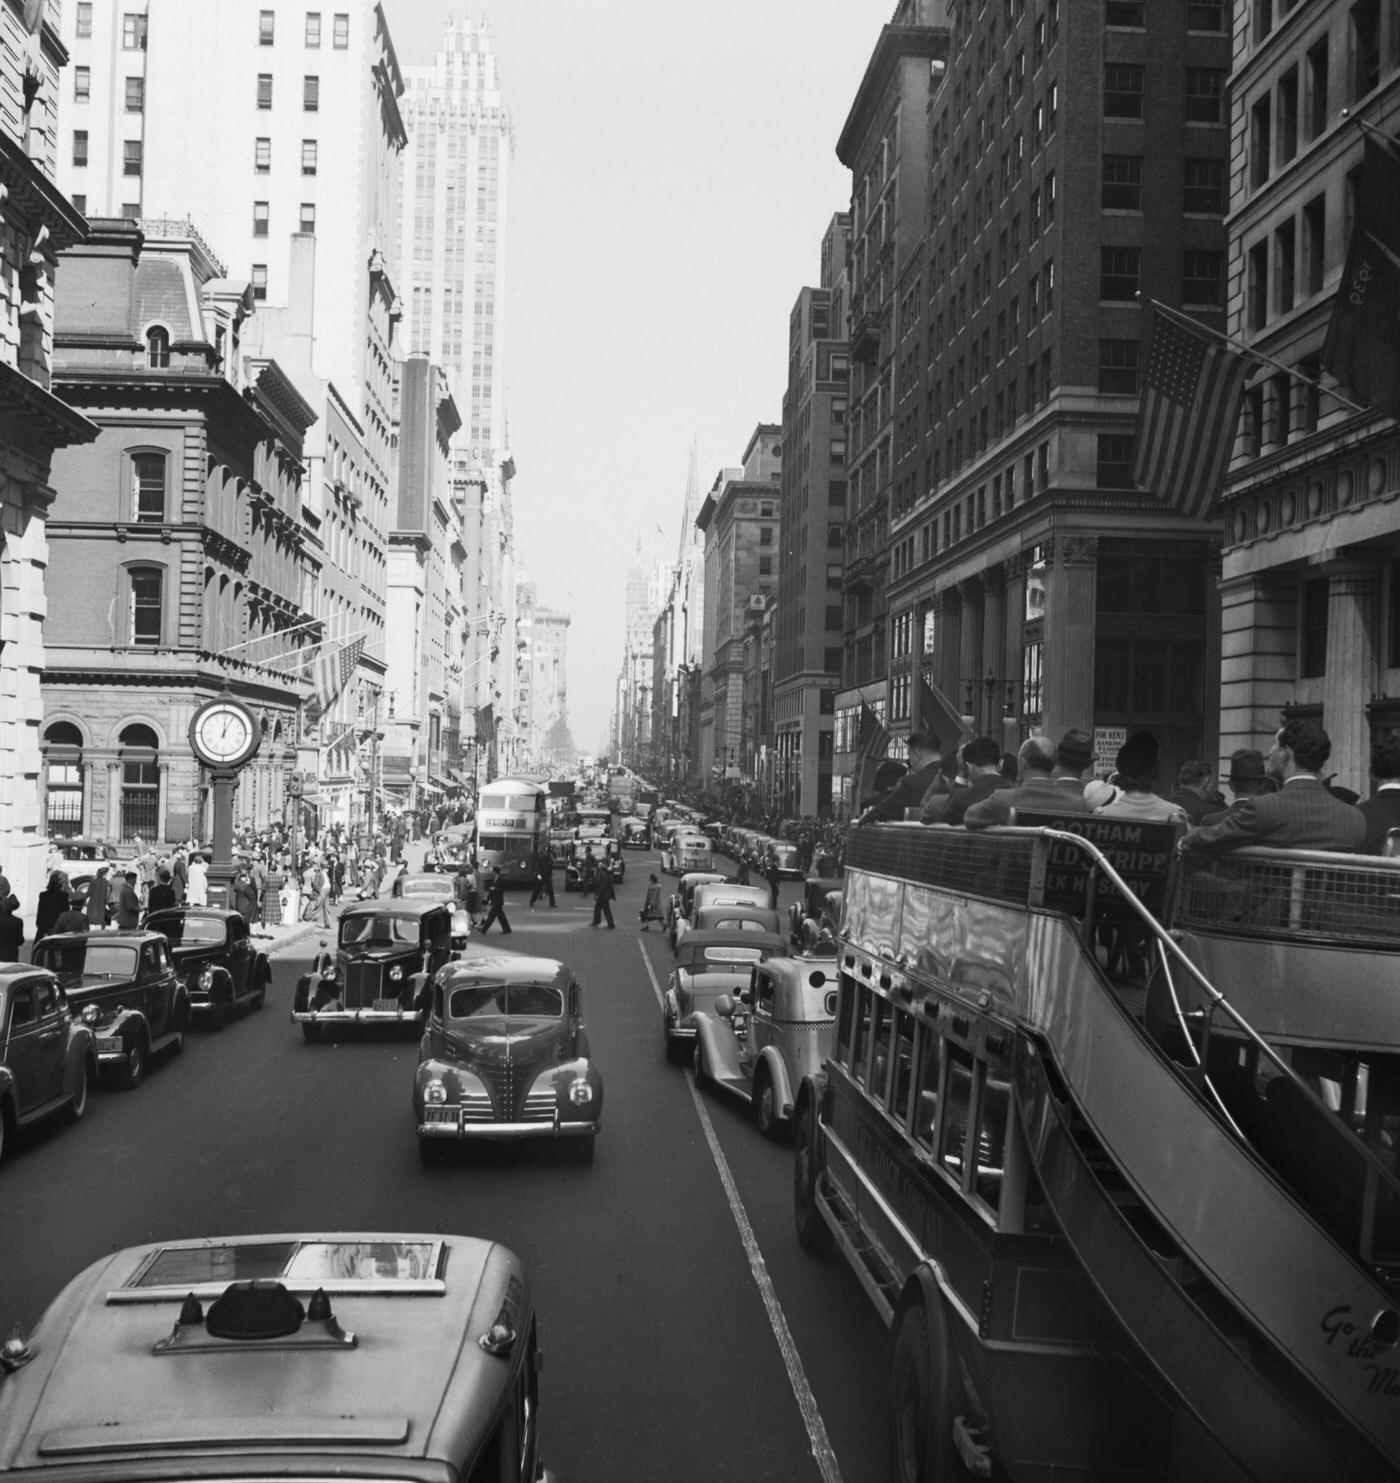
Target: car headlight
column 434, row 1092
column 580, row 1092
column 92, row 1015
column 395, row 974
column 206, row 979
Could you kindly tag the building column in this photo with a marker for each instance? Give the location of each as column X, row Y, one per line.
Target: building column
column 162, row 799
column 1071, row 606
column 87, row 819
column 947, row 643
column 1353, row 613
column 114, row 800
column 1258, row 656
column 970, row 652
column 1013, row 640
column 993, row 649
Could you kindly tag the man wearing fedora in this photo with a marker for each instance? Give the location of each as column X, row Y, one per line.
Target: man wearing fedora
column 925, row 757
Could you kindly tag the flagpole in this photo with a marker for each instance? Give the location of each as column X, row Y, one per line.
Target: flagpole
column 1239, row 346
column 1389, row 140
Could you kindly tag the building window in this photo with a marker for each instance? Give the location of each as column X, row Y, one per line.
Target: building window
column 80, row 146
column 1257, row 285
column 308, row 219
column 1122, row 182
column 765, row 566
column 260, row 218
column 1312, row 638
column 267, row 27
column 838, row 452
column 1205, row 15
column 140, row 783
column 134, row 31
column 131, row 157
column 313, row 28
column 1122, row 90
column 131, row 211
column 144, row 614
column 1205, row 187
column 1124, row 13
column 1119, row 273
column 63, row 779
column 1205, row 91
column 84, row 18
column 1202, row 278
column 1315, row 90
column 82, row 84
column 259, row 280
column 1314, row 244
column 1115, row 460
column 80, row 202
column 1260, row 136
column 264, row 90
column 308, row 156
column 310, row 93
column 136, row 95
column 1118, row 367
column 262, row 156
column 158, row 354
column 341, row 29
column 148, row 471
column 1365, row 23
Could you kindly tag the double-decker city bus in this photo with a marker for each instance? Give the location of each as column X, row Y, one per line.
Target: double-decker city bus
column 1121, row 1224
column 512, row 824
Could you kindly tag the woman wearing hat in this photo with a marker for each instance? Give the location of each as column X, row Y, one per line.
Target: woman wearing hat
column 1138, row 763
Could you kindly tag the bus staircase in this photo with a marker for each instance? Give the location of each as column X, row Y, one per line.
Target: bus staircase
column 1267, row 1302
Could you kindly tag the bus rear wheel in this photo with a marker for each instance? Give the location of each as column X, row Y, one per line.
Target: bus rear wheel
column 923, row 1403
column 813, row 1234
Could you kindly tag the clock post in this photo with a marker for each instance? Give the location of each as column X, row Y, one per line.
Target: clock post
column 225, row 737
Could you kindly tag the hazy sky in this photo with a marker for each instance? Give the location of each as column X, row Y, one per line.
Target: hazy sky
column 674, row 170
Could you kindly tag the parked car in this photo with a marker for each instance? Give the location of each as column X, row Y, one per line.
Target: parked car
column 47, row 1060
column 707, row 965
column 814, row 908
column 387, row 951
column 222, row 967
column 124, row 988
column 678, row 903
column 687, row 849
column 505, row 1057
column 758, row 1045
column 440, row 888
column 328, row 1355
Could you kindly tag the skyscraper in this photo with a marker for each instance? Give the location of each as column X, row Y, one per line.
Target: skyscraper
column 456, row 188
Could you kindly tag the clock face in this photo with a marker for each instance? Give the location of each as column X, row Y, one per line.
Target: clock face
column 224, row 733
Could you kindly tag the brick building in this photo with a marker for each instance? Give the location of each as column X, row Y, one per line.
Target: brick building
column 178, row 568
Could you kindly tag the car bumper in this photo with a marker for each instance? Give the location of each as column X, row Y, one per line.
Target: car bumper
column 109, row 1049
column 354, row 1016
column 451, row 1124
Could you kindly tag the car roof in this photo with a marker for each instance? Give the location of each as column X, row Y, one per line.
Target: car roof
column 13, row 972
column 391, row 906
column 133, row 935
column 703, row 937
column 112, row 1392
column 193, row 911
column 511, row 968
column 423, row 878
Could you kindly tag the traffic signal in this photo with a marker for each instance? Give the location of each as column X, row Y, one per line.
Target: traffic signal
column 294, row 785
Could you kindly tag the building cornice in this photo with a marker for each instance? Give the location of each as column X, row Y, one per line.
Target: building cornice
column 33, row 195
column 895, row 44
column 32, row 412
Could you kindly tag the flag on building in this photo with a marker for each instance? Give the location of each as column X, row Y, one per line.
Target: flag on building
column 939, row 715
column 1362, row 349
column 1186, row 420
column 485, row 723
column 329, row 676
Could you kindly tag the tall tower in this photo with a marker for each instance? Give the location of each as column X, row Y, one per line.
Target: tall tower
column 456, row 188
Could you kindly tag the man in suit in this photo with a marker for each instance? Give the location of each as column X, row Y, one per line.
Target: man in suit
column 1035, row 791
column 1382, row 810
column 925, row 758
column 1302, row 815
column 981, row 759
column 128, row 902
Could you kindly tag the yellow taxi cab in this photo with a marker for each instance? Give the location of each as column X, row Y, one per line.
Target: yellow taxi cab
column 411, row 1358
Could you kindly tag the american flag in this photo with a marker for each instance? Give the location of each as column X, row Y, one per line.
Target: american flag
column 329, row 675
column 1186, row 420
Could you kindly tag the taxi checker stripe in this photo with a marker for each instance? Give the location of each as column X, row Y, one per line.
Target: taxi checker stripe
column 797, row 1376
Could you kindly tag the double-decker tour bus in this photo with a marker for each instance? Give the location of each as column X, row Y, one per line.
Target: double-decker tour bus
column 1109, row 1137
column 512, row 823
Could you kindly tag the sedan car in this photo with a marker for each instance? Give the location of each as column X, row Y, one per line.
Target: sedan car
column 687, row 849
column 47, row 1061
column 505, row 1057
column 439, row 888
column 807, row 918
column 125, row 989
column 222, row 968
column 218, row 1357
column 707, row 965
column 758, row 1045
column 729, row 916
column 678, row 905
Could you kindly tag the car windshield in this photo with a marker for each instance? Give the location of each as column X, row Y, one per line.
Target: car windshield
column 716, row 956
column 738, row 924
column 89, row 956
column 384, row 928
column 476, row 1001
column 179, row 927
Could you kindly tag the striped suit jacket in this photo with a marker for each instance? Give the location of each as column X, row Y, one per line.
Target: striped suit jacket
column 1302, row 815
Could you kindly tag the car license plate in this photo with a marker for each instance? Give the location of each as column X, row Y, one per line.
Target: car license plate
column 107, row 1044
column 439, row 1114
column 386, row 1006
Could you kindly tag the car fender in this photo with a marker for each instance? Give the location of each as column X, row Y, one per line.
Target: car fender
column 781, row 1080
column 81, row 1052
column 301, row 995
column 220, row 981
column 720, row 1042
column 671, row 1005
column 128, row 1025
column 419, row 983
column 262, row 970
column 560, row 1074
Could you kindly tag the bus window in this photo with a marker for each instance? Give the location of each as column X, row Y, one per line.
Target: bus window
column 991, row 1138
column 957, row 1101
column 860, row 1040
column 880, row 1053
column 903, row 1064
column 846, row 1024
column 928, row 1081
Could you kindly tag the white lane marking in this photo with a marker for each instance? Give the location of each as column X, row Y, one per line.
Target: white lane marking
column 797, row 1376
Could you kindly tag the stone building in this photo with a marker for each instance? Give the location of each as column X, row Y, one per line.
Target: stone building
column 1310, row 578
column 809, row 622
column 36, row 224
column 739, row 520
column 677, row 644
column 178, row 569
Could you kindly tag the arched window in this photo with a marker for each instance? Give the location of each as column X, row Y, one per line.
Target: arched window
column 140, row 757
column 148, row 487
column 158, row 347
column 146, row 606
column 63, row 779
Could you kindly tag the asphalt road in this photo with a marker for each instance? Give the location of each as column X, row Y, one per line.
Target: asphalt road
column 686, row 1335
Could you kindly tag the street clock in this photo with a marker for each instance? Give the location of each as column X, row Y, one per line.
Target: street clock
column 225, row 734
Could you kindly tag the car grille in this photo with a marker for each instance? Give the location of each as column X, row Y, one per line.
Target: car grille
column 363, row 985
column 476, row 1107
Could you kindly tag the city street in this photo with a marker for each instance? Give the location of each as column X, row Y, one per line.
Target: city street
column 686, row 1335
